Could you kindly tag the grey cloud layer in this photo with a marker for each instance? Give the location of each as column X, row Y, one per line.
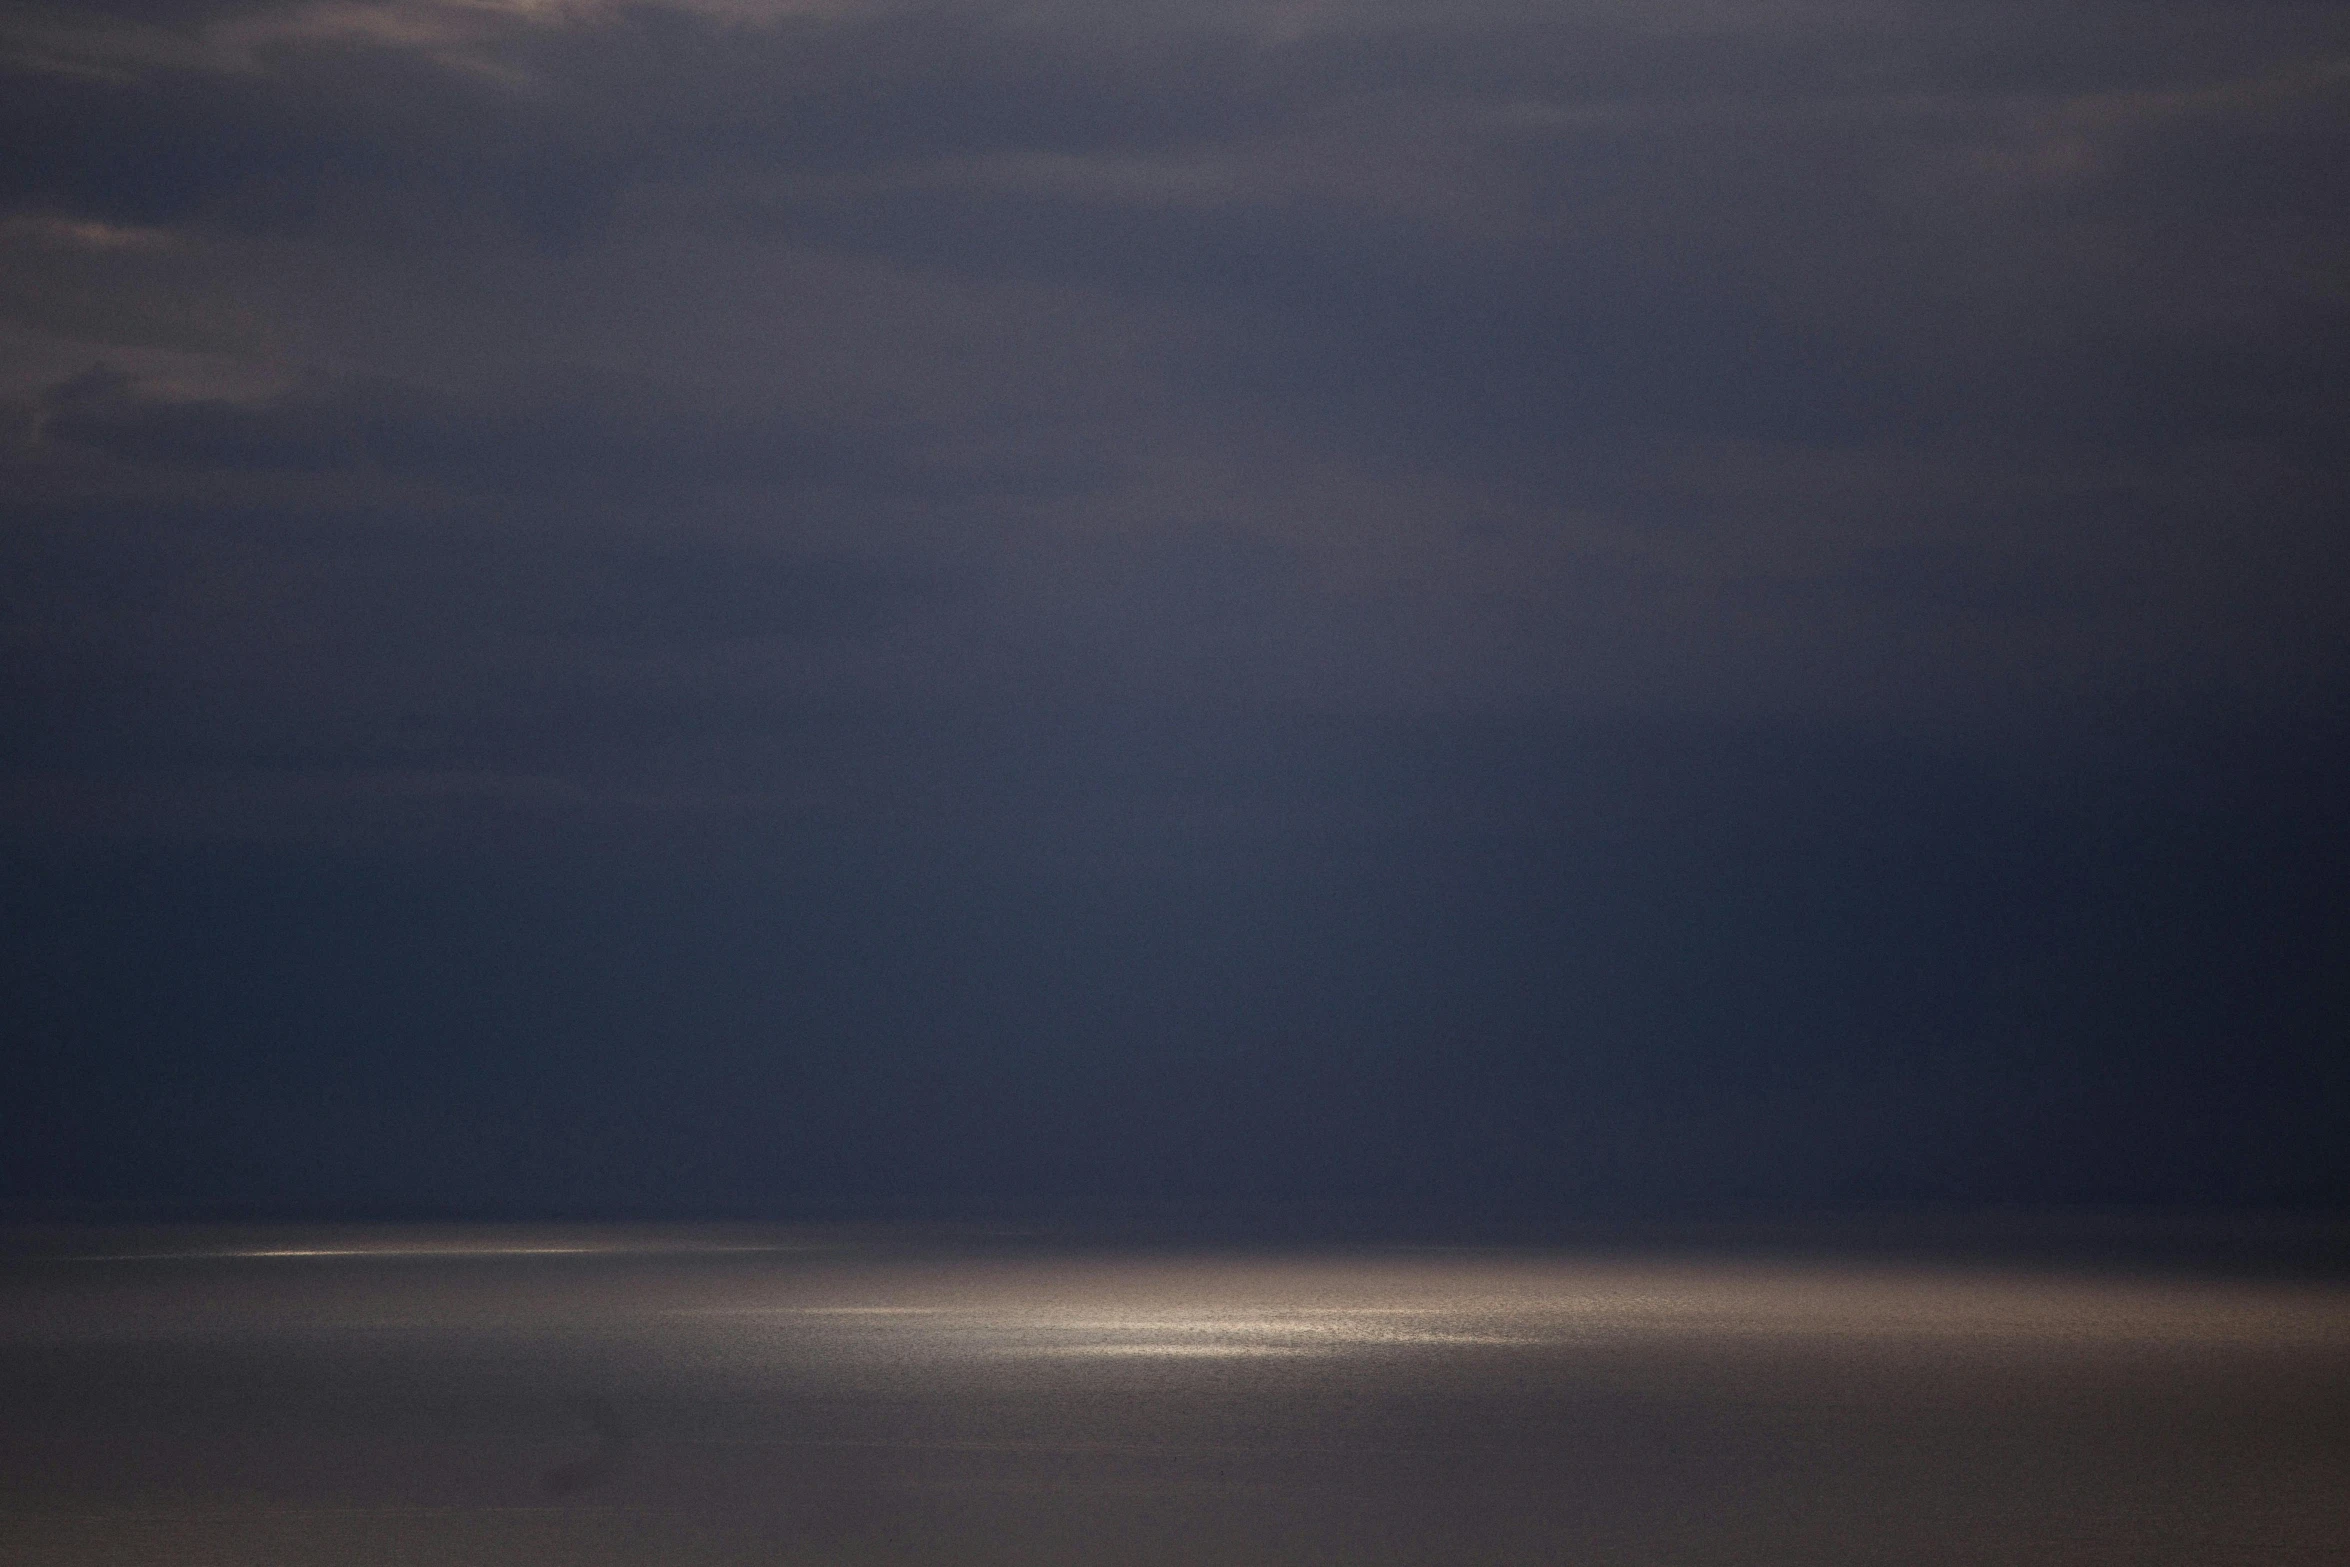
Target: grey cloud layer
column 498, row 361
column 697, row 604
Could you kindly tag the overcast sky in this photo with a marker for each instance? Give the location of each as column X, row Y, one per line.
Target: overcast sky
column 730, row 605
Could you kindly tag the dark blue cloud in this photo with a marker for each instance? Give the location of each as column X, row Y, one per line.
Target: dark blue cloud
column 683, row 610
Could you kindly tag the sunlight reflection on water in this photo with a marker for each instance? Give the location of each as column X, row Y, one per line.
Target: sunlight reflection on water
column 1336, row 1305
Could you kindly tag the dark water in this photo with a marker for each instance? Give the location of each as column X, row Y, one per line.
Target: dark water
column 593, row 1396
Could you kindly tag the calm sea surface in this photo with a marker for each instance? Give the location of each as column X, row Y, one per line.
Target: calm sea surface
column 589, row 1396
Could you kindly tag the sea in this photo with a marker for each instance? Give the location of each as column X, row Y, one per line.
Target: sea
column 978, row 1394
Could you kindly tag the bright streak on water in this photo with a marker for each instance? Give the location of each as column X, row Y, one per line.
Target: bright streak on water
column 364, row 1251
column 490, row 1242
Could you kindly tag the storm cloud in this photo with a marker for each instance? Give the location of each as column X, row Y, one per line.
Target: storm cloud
column 1631, row 603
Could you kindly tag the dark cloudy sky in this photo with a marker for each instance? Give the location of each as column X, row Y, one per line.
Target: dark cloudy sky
column 739, row 605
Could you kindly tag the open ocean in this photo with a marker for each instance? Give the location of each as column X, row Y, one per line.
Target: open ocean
column 587, row 1396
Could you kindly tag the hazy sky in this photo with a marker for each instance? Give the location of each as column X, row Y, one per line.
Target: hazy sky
column 729, row 605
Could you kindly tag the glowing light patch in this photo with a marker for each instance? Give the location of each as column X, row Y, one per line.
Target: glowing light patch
column 1171, row 1351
